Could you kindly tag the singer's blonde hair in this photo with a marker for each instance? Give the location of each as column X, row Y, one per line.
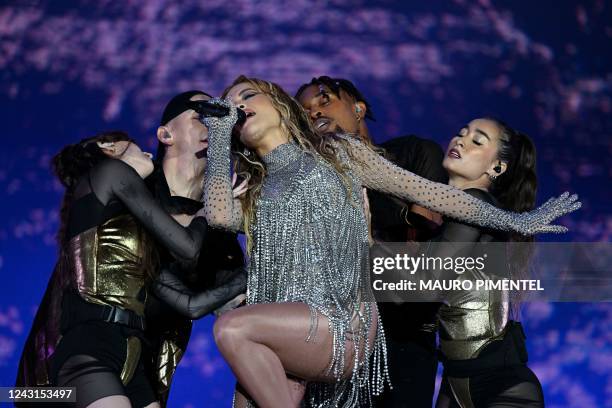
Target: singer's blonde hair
column 299, row 128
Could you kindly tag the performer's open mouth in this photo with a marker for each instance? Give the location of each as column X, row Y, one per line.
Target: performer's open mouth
column 321, row 124
column 454, row 153
column 249, row 114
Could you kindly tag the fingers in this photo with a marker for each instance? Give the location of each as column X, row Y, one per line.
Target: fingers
column 564, row 205
column 538, row 221
column 227, row 102
column 240, row 189
column 575, row 206
column 226, row 120
column 366, row 200
column 553, row 229
column 568, row 205
column 232, row 304
column 557, row 207
column 218, row 101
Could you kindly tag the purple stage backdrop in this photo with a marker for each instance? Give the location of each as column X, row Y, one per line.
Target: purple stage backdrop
column 72, row 68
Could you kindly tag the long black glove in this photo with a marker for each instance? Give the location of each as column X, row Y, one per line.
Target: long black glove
column 115, row 180
column 170, row 289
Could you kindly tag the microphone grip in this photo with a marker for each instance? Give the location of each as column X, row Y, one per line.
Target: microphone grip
column 207, row 109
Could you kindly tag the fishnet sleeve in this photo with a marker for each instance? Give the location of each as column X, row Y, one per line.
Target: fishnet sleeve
column 221, row 209
column 377, row 173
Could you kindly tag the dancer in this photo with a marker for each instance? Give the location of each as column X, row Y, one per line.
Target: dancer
column 311, row 313
column 335, row 105
column 483, row 351
column 176, row 183
column 88, row 330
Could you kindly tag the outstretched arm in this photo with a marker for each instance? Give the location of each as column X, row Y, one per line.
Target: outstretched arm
column 114, row 179
column 222, row 210
column 377, row 173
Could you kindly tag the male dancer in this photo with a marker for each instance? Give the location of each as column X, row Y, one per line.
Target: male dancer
column 336, row 105
column 177, row 183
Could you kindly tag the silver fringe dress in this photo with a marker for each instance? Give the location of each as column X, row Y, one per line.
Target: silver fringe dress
column 310, row 245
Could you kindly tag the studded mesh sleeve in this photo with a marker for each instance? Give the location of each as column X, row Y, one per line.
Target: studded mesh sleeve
column 221, row 209
column 379, row 174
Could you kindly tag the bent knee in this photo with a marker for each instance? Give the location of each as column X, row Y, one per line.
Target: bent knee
column 229, row 331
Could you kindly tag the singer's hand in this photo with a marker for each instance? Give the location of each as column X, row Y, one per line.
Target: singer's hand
column 539, row 220
column 221, row 127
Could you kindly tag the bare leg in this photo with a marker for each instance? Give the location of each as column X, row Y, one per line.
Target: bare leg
column 270, row 338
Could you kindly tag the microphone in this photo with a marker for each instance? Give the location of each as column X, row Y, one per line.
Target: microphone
column 207, row 109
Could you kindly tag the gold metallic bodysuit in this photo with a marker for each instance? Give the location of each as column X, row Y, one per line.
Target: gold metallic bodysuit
column 107, row 261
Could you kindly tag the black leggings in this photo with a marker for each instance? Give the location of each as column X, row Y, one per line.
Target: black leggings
column 509, row 387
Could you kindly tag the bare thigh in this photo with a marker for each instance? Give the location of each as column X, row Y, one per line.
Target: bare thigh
column 284, row 327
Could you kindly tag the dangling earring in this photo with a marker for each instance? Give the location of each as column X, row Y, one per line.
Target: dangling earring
column 246, row 152
column 358, row 111
column 498, row 170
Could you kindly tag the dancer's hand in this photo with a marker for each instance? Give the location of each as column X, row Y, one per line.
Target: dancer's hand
column 239, row 189
column 232, row 304
column 538, row 221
